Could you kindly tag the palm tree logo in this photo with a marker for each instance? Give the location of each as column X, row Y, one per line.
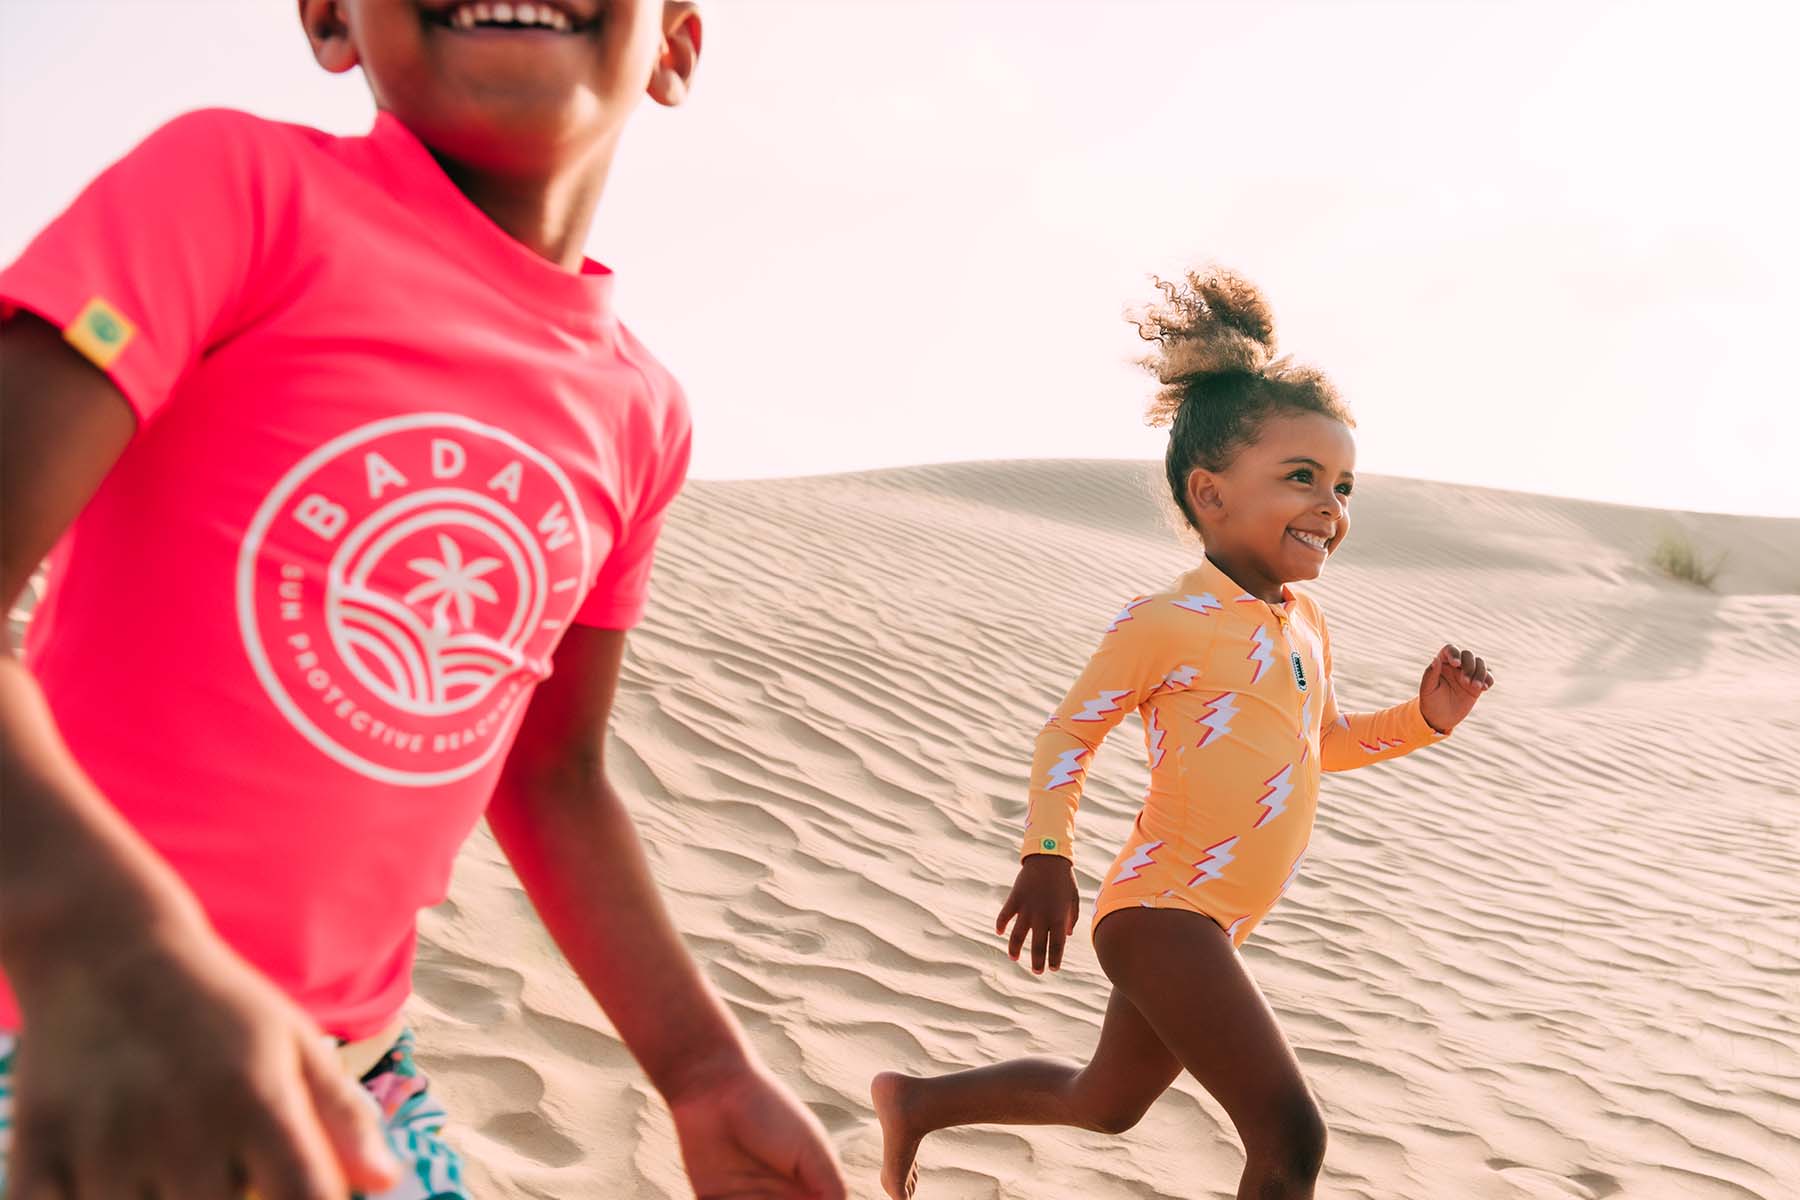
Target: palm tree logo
column 452, row 581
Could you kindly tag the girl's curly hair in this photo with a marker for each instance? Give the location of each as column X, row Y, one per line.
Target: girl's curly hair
column 1215, row 359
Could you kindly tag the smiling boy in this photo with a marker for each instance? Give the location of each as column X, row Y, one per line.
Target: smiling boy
column 351, row 479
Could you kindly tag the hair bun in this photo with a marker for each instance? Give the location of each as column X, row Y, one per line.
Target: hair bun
column 1212, row 322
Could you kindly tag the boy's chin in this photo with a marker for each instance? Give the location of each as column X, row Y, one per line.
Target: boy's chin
column 522, row 135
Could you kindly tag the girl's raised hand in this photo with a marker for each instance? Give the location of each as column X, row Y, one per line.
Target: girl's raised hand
column 1046, row 902
column 1453, row 682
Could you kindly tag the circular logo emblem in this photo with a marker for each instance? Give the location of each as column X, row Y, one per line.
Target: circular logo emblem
column 403, row 586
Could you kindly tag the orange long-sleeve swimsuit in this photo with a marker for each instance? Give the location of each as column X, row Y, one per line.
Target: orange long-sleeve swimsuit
column 1240, row 718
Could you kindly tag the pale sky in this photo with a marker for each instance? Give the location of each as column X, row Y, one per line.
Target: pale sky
column 1540, row 246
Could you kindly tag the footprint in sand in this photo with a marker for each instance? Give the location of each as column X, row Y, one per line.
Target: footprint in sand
column 478, row 993
column 1540, row 1184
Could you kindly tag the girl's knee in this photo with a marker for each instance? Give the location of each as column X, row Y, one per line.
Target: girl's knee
column 1291, row 1144
column 1105, row 1113
column 1116, row 1118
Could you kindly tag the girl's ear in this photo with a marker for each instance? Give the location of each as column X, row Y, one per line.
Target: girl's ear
column 1203, row 492
column 329, row 32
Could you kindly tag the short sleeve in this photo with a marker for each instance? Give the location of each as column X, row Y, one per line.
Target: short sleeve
column 623, row 585
column 148, row 265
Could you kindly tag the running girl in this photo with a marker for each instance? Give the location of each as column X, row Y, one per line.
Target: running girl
column 1231, row 671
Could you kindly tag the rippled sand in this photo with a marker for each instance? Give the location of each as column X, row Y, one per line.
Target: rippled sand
column 1557, row 957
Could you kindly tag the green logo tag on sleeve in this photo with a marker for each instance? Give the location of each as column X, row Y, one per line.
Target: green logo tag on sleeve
column 100, row 332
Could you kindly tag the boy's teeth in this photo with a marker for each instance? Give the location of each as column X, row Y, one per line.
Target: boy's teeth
column 467, row 16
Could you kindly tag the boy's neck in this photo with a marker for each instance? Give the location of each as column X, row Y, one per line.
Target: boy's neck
column 550, row 217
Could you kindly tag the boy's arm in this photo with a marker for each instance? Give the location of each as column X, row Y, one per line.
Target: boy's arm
column 65, row 853
column 102, row 943
column 574, row 847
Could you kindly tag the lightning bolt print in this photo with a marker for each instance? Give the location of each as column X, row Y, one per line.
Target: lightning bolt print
column 1218, row 856
column 1217, row 721
column 1262, row 650
column 1204, row 603
column 1231, row 930
column 1140, row 858
column 1065, row 769
column 1380, row 744
column 1101, row 706
column 1274, row 801
column 1180, row 677
column 1154, row 734
column 1293, row 874
column 1245, row 598
column 1125, row 614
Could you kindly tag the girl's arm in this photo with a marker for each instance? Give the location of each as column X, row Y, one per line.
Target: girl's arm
column 575, row 849
column 1136, row 658
column 1453, row 681
column 155, row 1053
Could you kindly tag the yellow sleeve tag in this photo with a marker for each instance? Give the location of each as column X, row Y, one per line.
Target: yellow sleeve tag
column 100, row 332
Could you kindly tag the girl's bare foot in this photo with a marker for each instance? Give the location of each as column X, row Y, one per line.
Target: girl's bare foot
column 899, row 1144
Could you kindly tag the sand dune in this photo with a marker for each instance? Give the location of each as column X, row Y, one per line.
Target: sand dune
column 1555, row 958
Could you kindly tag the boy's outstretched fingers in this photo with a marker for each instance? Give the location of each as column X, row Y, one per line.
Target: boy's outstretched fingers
column 351, row 1121
column 34, row 1175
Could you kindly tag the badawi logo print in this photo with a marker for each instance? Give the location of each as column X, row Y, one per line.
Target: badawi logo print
column 402, row 587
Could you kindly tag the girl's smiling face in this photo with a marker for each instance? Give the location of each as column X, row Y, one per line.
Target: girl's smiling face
column 1281, row 506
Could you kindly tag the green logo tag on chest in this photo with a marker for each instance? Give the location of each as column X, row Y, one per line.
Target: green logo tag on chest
column 1299, row 669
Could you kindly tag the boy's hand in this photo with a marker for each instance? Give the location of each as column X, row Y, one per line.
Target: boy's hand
column 745, row 1137
column 1452, row 683
column 1046, row 902
column 177, row 1070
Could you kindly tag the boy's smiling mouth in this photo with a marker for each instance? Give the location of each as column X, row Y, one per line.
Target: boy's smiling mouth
column 506, row 16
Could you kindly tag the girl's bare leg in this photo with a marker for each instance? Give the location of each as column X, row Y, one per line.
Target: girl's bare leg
column 1129, row 1070
column 1181, row 974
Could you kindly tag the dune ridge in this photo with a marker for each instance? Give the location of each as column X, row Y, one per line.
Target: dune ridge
column 1556, row 957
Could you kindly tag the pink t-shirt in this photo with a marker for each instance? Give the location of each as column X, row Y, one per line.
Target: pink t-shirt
column 385, row 456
